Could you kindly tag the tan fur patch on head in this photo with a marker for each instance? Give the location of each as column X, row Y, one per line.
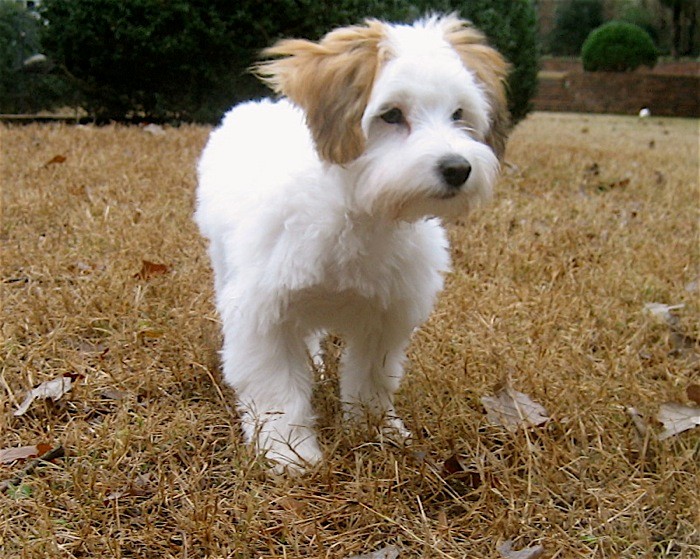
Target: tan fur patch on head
column 491, row 70
column 332, row 81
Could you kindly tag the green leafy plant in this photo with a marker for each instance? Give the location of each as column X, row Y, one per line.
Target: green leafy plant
column 511, row 26
column 618, row 46
column 25, row 86
column 575, row 19
column 189, row 61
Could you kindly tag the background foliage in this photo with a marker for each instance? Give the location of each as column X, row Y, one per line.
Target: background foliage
column 575, row 19
column 189, row 60
column 24, row 88
column 618, row 46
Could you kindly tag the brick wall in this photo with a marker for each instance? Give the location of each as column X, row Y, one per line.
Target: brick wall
column 570, row 89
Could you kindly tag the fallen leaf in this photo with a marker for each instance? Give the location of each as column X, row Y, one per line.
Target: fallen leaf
column 457, row 468
column 294, row 513
column 513, row 409
column 142, row 486
column 154, row 129
column 592, row 170
column 150, row 270
column 453, row 465
column 146, row 331
column 56, row 159
column 677, row 418
column 9, row 455
column 53, row 389
column 638, row 421
column 388, row 552
column 693, row 393
column 693, row 286
column 682, row 343
column 507, row 551
column 663, row 312
column 114, row 394
column 621, row 183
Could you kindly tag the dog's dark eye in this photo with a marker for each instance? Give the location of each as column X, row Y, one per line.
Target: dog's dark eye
column 393, row 116
column 457, row 115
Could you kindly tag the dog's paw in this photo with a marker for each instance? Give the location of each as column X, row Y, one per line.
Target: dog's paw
column 294, row 453
column 394, row 431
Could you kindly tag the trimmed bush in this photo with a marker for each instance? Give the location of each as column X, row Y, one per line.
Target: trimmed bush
column 618, row 46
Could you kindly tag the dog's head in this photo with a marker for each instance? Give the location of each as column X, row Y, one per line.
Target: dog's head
column 418, row 112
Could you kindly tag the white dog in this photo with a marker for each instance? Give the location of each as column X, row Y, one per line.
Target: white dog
column 322, row 212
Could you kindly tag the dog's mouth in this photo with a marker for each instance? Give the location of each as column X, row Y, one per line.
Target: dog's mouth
column 447, row 195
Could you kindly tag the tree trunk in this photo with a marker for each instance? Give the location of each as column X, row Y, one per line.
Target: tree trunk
column 677, row 29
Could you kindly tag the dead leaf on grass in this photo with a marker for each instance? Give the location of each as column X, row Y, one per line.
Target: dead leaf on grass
column 114, row 394
column 9, row 455
column 56, row 159
column 142, row 486
column 459, row 468
column 150, row 270
column 154, row 129
column 682, row 344
column 295, row 512
column 54, row 389
column 513, row 409
column 693, row 286
column 637, row 420
column 593, row 170
column 677, row 418
column 693, row 393
column 664, row 312
column 388, row 552
column 507, row 551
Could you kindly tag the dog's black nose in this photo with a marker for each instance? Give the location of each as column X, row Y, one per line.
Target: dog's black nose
column 454, row 170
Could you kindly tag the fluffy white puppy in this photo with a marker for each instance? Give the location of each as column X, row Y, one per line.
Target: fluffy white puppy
column 322, row 211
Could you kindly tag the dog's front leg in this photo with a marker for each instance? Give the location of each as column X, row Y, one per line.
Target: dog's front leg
column 370, row 373
column 272, row 380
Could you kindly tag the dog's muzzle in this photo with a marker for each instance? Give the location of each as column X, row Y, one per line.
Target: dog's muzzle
column 454, row 171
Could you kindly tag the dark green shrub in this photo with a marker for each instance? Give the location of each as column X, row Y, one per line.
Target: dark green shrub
column 618, row 46
column 640, row 16
column 575, row 19
column 511, row 26
column 24, row 88
column 181, row 59
column 190, row 60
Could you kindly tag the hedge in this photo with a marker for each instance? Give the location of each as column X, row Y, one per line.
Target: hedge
column 188, row 60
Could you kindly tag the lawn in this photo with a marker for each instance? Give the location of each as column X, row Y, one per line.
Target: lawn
column 105, row 279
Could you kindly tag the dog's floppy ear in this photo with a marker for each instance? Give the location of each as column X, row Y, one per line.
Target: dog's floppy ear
column 332, row 81
column 491, row 70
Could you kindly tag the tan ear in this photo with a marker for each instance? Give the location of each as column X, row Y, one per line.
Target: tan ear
column 491, row 70
column 332, row 81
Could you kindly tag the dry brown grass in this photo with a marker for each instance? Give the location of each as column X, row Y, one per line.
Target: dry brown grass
column 548, row 287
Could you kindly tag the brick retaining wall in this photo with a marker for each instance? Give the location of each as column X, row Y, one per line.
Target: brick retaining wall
column 570, row 89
